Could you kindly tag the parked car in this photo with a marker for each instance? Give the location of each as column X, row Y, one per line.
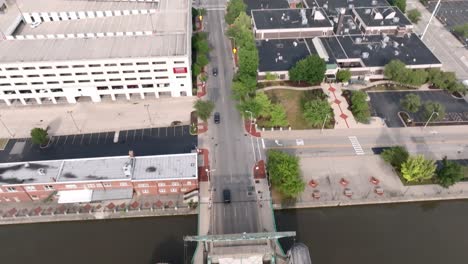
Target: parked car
column 217, row 118
column 215, row 71
column 226, row 196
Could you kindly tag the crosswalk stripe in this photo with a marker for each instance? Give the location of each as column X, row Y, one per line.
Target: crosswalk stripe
column 356, row 145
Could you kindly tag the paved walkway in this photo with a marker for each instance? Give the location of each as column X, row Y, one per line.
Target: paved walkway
column 354, row 180
column 139, row 206
column 88, row 117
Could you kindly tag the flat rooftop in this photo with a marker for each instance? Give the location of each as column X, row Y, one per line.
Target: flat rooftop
column 265, row 4
column 281, row 54
column 331, row 7
column 178, row 166
column 290, row 18
column 373, row 51
column 161, row 30
column 382, row 16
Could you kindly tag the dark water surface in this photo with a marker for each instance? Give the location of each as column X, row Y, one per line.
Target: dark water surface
column 126, row 241
column 426, row 233
column 416, row 233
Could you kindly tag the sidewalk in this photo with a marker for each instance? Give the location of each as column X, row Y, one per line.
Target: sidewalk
column 139, row 206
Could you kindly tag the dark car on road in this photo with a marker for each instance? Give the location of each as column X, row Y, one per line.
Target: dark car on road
column 226, row 196
column 217, row 118
column 215, row 71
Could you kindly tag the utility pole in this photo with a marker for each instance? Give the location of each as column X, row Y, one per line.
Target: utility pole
column 430, row 19
column 323, row 125
column 73, row 119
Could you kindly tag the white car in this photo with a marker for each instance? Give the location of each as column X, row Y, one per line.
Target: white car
column 35, row 24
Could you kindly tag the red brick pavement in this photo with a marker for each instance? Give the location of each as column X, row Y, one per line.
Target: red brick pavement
column 202, row 174
column 202, row 128
column 259, row 173
column 250, row 128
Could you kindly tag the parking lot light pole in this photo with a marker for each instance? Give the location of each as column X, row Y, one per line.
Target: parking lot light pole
column 73, row 119
column 251, row 119
column 430, row 119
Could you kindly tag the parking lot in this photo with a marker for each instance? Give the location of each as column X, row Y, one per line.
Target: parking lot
column 451, row 14
column 387, row 105
column 149, row 141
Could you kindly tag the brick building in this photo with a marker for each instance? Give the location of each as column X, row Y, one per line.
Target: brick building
column 97, row 179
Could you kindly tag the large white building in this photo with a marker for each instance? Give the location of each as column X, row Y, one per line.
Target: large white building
column 54, row 51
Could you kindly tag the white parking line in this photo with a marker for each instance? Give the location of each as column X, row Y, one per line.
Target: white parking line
column 356, row 145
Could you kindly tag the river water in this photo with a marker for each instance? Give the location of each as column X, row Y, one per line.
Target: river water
column 426, row 233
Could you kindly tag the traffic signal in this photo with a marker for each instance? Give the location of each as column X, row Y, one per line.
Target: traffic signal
column 200, row 17
column 234, row 50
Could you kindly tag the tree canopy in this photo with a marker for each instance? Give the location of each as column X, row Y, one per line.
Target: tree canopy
column 278, row 117
column 234, row 8
column 315, row 112
column 430, row 107
column 248, row 61
column 285, row 173
column 39, row 136
column 311, row 70
column 450, row 173
column 411, row 103
column 401, row 4
column 417, row 168
column 204, row 109
column 343, row 75
column 414, row 15
column 462, row 30
column 360, row 107
column 396, row 156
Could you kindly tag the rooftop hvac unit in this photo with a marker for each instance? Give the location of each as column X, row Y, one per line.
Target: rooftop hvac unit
column 353, row 26
column 368, row 11
column 386, row 39
column 414, row 60
column 374, row 2
column 318, row 15
column 408, row 35
column 127, row 169
column 365, row 55
column 383, row 45
column 358, row 40
column 335, row 19
column 304, row 17
column 346, row 30
column 325, row 6
column 369, row 46
column 395, row 44
column 391, row 15
column 396, row 19
column 396, row 53
column 295, row 44
column 41, row 171
column 350, row 6
column 384, row 35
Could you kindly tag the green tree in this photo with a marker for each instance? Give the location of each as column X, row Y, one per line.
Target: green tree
column 270, row 76
column 411, row 103
column 241, row 36
column 360, row 107
column 284, row 173
column 396, row 156
column 234, row 8
column 243, row 21
column 265, row 104
column 202, row 60
column 278, row 117
column 311, row 69
column 39, row 136
column 249, row 105
column 430, row 107
column 240, row 91
column 204, row 109
column 401, row 4
column 462, row 30
column 202, row 47
column 248, row 80
column 248, row 61
column 450, row 173
column 315, row 112
column 416, row 77
column 417, row 168
column 395, row 70
column 343, row 75
column 414, row 15
column 196, row 69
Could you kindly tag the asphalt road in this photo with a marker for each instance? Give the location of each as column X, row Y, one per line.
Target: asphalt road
column 232, row 154
column 435, row 142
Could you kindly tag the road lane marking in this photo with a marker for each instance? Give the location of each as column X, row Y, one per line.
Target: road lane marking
column 258, row 147
column 263, row 143
column 300, row 142
column 356, row 145
column 253, row 148
column 235, row 212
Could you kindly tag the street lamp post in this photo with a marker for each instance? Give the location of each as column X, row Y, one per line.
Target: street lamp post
column 73, row 119
column 430, row 119
column 324, row 121
column 251, row 119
